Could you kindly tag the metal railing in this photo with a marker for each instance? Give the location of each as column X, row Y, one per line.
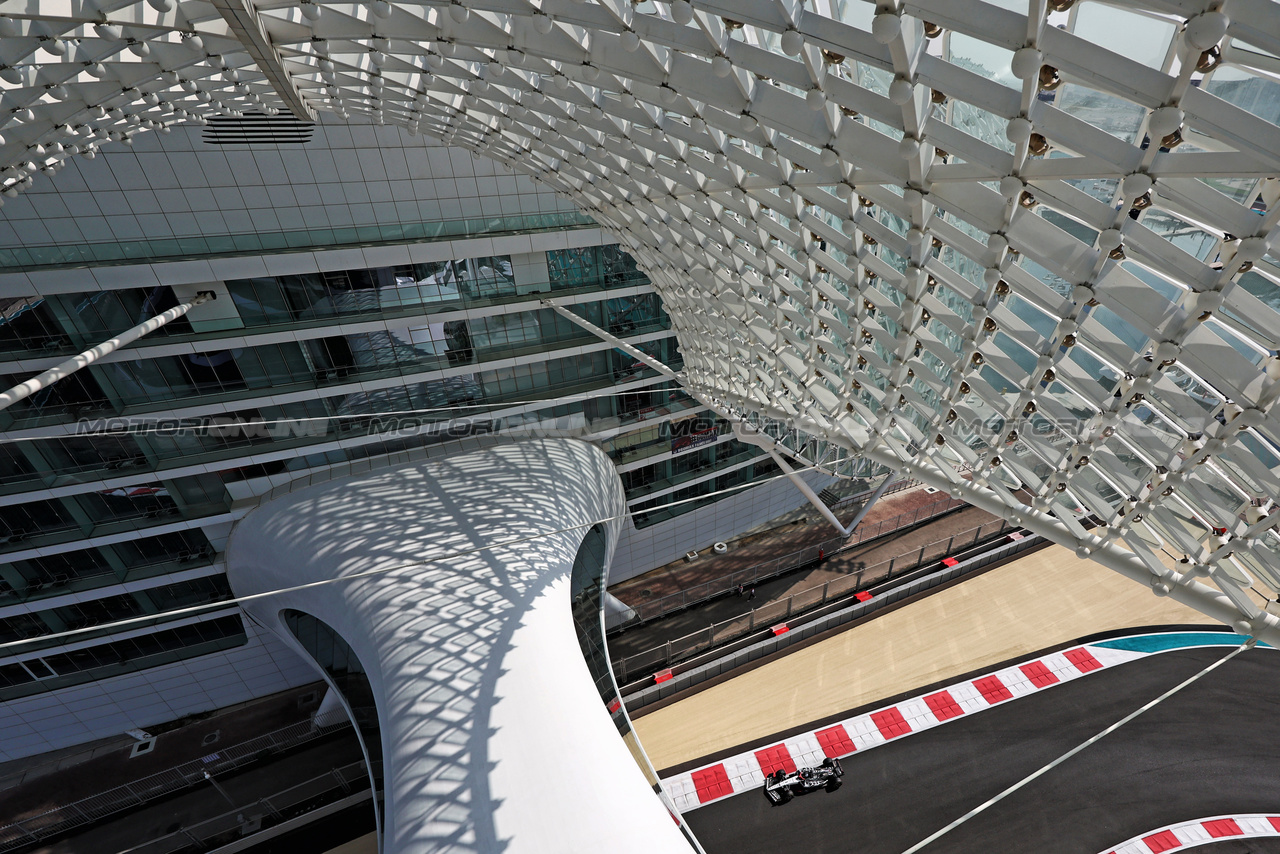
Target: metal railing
column 264, row 813
column 720, row 662
column 895, row 487
column 34, row 828
column 645, row 663
column 646, row 611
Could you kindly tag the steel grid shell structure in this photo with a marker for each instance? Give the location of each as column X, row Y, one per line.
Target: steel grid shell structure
column 1036, row 238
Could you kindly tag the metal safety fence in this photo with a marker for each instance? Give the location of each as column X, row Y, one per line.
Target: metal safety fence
column 34, row 828
column 340, row 784
column 763, row 571
column 722, row 662
column 679, row 649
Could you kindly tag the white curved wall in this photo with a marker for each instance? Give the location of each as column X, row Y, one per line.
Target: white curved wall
column 494, row 738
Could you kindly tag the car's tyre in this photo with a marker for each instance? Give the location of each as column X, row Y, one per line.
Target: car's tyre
column 834, row 783
column 785, row 795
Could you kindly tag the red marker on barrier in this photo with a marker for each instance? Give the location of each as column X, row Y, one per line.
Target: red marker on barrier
column 780, row 629
column 662, row 676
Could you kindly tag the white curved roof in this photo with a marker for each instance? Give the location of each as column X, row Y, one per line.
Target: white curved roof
column 1034, row 238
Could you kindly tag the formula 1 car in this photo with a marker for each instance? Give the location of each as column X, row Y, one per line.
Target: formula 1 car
column 780, row 786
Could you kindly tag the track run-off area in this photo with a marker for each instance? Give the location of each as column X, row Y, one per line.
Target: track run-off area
column 915, row 765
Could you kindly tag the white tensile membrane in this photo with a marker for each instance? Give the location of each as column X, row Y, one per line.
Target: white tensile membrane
column 1031, row 240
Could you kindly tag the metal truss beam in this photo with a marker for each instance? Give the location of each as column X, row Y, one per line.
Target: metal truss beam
column 244, row 21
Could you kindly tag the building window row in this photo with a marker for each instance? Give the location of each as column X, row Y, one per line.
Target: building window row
column 154, row 250
column 25, row 466
column 61, row 323
column 139, row 506
column 116, row 658
column 426, row 288
column 683, row 467
column 678, row 502
column 102, row 566
column 111, row 511
column 134, row 386
column 33, row 625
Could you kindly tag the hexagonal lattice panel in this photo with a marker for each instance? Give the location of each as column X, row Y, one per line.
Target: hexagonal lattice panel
column 1033, row 239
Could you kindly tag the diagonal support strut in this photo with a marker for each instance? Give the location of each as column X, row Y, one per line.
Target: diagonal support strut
column 244, row 21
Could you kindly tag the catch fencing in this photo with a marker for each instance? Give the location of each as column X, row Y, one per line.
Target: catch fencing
column 716, row 634
column 757, row 573
column 716, row 664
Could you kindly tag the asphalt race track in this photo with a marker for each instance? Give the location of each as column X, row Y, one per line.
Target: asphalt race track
column 1212, row 749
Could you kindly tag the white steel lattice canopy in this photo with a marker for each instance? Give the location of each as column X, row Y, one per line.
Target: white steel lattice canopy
column 1037, row 239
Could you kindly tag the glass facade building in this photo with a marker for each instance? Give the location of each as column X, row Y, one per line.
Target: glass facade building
column 120, row 484
column 382, row 360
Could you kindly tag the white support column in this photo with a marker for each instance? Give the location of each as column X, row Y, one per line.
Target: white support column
column 761, row 440
column 753, row 437
column 88, row 357
column 629, row 349
column 467, row 665
column 875, row 496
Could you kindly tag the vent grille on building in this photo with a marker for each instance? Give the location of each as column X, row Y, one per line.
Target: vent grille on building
column 258, row 129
